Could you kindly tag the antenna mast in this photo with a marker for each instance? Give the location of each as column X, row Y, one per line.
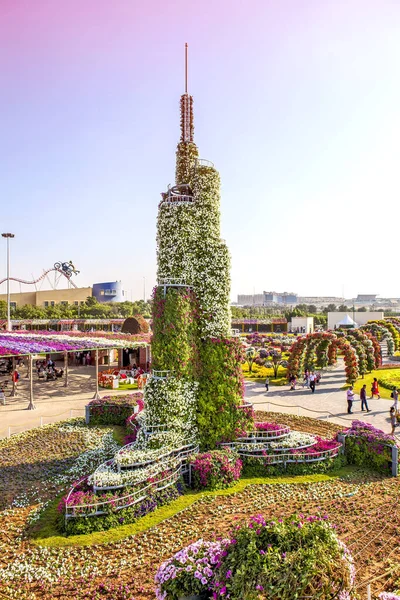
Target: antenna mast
column 186, row 68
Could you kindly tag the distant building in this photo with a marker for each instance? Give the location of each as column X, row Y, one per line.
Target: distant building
column 366, row 299
column 360, row 318
column 103, row 292
column 268, row 299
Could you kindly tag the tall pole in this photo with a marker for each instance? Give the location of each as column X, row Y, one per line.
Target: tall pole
column 31, row 405
column 8, row 236
column 186, row 68
column 144, row 289
column 97, row 396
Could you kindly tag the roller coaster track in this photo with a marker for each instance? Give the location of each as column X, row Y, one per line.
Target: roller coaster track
column 39, row 278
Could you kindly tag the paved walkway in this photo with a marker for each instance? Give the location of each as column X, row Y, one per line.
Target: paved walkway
column 328, row 401
column 55, row 403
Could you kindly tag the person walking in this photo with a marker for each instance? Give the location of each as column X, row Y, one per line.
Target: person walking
column 312, row 382
column 363, row 398
column 375, row 389
column 350, row 399
column 395, row 396
column 393, row 419
column 267, row 384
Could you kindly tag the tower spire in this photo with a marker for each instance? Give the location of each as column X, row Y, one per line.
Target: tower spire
column 186, row 68
column 187, row 127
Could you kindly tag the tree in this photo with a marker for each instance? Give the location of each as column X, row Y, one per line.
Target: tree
column 91, row 301
column 251, row 354
column 3, row 309
column 362, row 309
column 312, row 308
column 343, row 308
column 330, row 308
column 275, row 361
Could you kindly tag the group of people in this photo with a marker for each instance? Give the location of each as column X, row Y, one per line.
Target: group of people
column 46, row 369
column 310, row 380
column 394, row 410
column 83, row 358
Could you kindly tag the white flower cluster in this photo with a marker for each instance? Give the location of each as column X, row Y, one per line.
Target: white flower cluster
column 189, row 248
column 171, row 402
column 295, row 439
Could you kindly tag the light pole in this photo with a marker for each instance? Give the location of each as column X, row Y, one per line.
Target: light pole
column 8, row 236
column 144, row 289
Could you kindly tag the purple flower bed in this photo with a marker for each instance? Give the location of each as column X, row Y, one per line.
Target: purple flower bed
column 215, row 469
column 263, row 559
column 367, row 446
column 190, row 571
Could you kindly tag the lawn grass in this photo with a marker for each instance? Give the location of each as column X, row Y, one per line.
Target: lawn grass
column 47, row 534
column 368, row 378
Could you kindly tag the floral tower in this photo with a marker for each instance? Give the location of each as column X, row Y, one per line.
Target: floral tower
column 192, row 346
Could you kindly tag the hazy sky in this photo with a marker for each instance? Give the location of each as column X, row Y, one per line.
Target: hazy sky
column 297, row 103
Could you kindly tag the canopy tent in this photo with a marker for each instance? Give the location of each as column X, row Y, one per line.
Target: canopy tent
column 26, row 343
column 347, row 322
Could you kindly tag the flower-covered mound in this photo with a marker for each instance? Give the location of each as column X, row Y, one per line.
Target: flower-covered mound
column 363, row 505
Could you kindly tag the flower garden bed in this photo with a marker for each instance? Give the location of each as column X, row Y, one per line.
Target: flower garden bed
column 113, row 410
column 363, row 506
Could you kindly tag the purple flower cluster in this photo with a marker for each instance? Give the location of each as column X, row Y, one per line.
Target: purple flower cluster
column 191, row 570
column 369, row 433
column 388, row 596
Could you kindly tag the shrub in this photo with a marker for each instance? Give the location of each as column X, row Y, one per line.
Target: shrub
column 114, row 410
column 115, row 518
column 272, row 560
column 215, row 469
column 190, row 571
column 367, row 446
column 390, row 380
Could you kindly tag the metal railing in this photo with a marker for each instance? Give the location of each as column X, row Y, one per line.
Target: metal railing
column 201, row 162
column 161, row 374
column 289, row 457
column 177, row 460
column 269, row 435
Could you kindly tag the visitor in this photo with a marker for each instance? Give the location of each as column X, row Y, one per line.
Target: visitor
column 312, row 382
column 375, row 389
column 363, row 398
column 306, row 380
column 88, row 359
column 393, row 419
column 293, row 383
column 317, row 377
column 15, row 377
column 395, row 396
column 350, row 399
column 267, row 384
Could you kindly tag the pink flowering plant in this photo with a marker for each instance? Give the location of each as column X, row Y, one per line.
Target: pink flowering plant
column 114, row 410
column 366, row 445
column 389, row 596
column 271, row 559
column 215, row 469
column 190, row 571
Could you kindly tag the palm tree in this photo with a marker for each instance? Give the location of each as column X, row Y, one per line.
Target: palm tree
column 250, row 357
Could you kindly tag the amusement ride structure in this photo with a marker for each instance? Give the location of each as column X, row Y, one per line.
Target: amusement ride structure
column 65, row 269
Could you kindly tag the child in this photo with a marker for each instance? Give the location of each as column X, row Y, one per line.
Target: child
column 293, row 383
column 267, row 384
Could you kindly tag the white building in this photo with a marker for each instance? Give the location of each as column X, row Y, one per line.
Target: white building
column 302, row 325
column 361, row 318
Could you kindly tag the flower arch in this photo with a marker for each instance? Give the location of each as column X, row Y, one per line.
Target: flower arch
column 323, row 346
column 391, row 328
column 381, row 333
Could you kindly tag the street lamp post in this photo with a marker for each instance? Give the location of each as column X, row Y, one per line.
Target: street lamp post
column 8, row 236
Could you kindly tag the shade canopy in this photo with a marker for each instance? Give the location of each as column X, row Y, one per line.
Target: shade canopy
column 347, row 321
column 22, row 343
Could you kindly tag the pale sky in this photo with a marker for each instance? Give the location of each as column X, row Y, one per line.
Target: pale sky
column 296, row 103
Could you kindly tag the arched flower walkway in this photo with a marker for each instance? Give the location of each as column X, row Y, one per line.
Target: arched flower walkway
column 320, row 349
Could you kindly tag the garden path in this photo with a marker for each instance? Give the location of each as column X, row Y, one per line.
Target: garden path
column 329, row 400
